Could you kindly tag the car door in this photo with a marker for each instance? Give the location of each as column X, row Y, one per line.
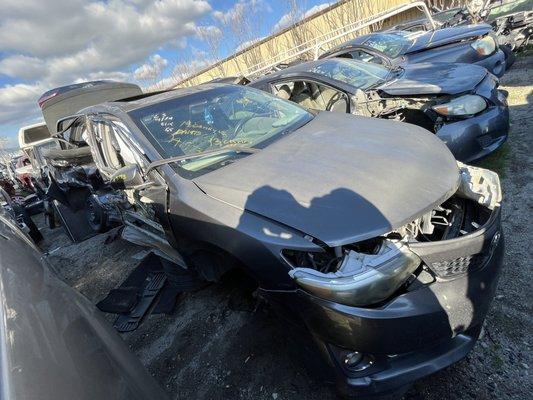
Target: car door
column 117, row 152
column 312, row 94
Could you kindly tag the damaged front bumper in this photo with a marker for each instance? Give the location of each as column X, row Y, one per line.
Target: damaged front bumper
column 432, row 325
column 476, row 137
column 430, row 322
column 495, row 63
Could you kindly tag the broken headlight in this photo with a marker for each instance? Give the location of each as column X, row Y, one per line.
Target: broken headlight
column 361, row 279
column 479, row 184
column 484, row 46
column 469, row 104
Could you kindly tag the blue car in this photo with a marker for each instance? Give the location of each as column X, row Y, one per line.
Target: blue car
column 470, row 44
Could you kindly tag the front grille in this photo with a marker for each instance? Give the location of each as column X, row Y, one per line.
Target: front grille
column 457, row 266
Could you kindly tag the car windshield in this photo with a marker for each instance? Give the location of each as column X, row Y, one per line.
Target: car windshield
column 361, row 75
column 223, row 117
column 443, row 16
column 391, row 44
column 499, row 10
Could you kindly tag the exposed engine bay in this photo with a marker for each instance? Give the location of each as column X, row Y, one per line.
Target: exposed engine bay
column 417, row 110
column 369, row 272
column 514, row 30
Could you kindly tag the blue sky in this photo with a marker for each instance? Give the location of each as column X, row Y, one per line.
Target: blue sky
column 49, row 43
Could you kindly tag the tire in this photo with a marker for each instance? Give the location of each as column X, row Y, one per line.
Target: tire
column 509, row 56
column 185, row 280
column 96, row 215
column 49, row 216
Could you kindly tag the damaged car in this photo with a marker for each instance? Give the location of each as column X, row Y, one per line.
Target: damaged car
column 354, row 228
column 511, row 21
column 471, row 44
column 460, row 103
column 59, row 160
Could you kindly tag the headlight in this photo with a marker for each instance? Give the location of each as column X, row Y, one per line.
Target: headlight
column 484, row 46
column 469, row 104
column 361, row 279
column 480, row 184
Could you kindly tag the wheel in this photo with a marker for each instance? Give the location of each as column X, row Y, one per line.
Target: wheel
column 96, row 215
column 509, row 56
column 49, row 215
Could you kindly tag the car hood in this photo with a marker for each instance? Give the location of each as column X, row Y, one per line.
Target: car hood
column 340, row 178
column 441, row 37
column 435, row 78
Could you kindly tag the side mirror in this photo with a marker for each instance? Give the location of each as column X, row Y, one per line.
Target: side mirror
column 126, row 177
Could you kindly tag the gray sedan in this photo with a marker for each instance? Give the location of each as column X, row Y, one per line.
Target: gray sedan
column 472, row 44
column 355, row 228
column 460, row 103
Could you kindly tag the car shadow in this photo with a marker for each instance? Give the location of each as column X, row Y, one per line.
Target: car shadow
column 300, row 345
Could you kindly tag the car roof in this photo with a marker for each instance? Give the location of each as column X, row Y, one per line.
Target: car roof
column 421, row 40
column 304, row 67
column 359, row 41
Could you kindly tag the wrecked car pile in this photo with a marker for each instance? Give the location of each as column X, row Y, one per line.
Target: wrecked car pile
column 353, row 228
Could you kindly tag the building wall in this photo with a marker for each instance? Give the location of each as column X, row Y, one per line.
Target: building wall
column 306, row 32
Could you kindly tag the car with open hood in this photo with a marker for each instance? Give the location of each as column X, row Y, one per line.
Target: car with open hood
column 460, row 103
column 471, row 44
column 354, row 228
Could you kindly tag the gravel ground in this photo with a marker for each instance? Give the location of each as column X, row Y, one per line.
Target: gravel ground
column 219, row 344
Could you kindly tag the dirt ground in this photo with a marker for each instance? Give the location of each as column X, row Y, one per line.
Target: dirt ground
column 219, row 345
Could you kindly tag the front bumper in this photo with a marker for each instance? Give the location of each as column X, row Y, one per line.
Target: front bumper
column 419, row 332
column 476, row 137
column 495, row 63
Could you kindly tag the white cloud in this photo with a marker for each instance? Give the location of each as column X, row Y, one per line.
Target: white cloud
column 152, row 69
column 54, row 42
column 19, row 102
column 295, row 16
column 238, row 12
column 22, row 66
column 208, row 32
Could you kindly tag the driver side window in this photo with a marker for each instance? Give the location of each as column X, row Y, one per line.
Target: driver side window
column 312, row 95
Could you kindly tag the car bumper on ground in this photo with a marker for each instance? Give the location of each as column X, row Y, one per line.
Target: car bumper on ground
column 421, row 331
column 495, row 63
column 476, row 137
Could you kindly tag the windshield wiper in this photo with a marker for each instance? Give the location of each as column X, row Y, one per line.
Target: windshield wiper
column 165, row 161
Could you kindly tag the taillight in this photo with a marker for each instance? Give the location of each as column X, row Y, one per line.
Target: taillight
column 45, row 97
